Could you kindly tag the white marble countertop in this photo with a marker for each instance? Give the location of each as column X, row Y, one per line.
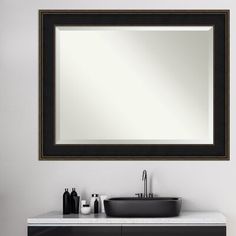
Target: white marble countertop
column 187, row 218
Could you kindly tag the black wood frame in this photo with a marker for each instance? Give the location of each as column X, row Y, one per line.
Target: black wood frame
column 49, row 19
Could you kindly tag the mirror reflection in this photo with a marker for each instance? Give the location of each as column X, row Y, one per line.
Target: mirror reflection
column 134, row 85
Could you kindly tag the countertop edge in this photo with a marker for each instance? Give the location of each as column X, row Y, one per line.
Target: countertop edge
column 185, row 219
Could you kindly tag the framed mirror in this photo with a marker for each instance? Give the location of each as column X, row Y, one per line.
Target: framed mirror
column 134, row 85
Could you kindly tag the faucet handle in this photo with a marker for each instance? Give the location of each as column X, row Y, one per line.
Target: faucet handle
column 139, row 195
column 150, row 195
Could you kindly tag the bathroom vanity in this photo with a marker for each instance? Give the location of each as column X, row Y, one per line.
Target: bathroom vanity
column 187, row 224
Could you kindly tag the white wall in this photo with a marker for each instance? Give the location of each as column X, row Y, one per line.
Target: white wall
column 29, row 187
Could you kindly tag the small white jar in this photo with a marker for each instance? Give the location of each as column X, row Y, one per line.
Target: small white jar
column 83, row 202
column 85, row 209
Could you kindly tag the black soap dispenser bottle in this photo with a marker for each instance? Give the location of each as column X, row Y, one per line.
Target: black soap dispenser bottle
column 96, row 206
column 72, row 201
column 66, row 202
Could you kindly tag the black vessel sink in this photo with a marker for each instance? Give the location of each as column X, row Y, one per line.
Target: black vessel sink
column 142, row 207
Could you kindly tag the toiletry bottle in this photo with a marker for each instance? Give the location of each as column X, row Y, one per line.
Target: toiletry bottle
column 72, row 195
column 96, row 206
column 92, row 200
column 76, row 204
column 102, row 198
column 66, row 202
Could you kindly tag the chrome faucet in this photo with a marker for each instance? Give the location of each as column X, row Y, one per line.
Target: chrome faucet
column 144, row 179
column 145, row 192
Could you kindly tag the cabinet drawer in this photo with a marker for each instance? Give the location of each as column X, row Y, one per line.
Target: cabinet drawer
column 74, row 231
column 174, row 231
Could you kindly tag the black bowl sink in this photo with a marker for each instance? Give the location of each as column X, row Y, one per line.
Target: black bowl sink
column 143, row 207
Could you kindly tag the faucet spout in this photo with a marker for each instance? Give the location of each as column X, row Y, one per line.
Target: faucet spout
column 144, row 178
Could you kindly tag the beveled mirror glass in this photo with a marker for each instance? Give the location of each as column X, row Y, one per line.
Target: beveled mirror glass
column 134, row 85
column 124, row 85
